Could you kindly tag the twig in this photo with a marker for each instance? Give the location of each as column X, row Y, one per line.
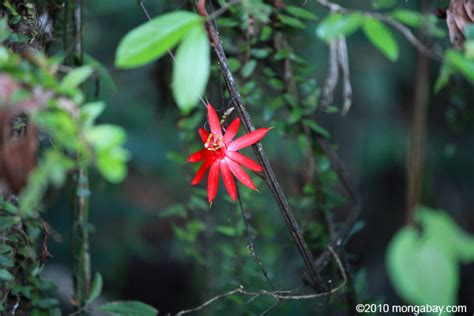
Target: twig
column 280, row 295
column 271, row 179
column 332, row 77
column 404, row 30
column 251, row 245
column 343, row 61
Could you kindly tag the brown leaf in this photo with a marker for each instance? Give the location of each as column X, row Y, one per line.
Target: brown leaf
column 459, row 14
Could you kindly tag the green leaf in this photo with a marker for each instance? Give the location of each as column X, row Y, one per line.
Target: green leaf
column 89, row 113
column 75, row 77
column 174, row 210
column 248, row 68
column 106, row 136
column 128, row 308
column 445, row 73
column 383, row 4
column 300, row 12
column 408, row 17
column 7, row 222
column 291, row 21
column 5, row 275
column 96, row 288
column 317, row 128
column 104, row 74
column 112, row 163
column 382, row 38
column 228, row 231
column 152, row 39
column 460, row 63
column 442, row 231
column 417, row 267
column 336, row 25
column 191, row 69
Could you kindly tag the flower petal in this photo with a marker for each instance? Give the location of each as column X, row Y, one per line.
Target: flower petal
column 198, row 156
column 248, row 139
column 204, row 134
column 214, row 122
column 244, row 161
column 202, row 171
column 212, row 182
column 240, row 174
column 231, row 131
column 228, row 179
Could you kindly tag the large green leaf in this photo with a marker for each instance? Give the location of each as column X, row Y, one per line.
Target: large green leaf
column 420, row 271
column 419, row 261
column 191, row 68
column 382, row 38
column 152, row 39
column 128, row 308
column 339, row 25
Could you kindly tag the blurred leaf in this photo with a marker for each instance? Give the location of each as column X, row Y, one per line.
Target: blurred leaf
column 104, row 74
column 7, row 222
column 336, row 25
column 152, row 39
column 128, row 308
column 5, row 275
column 408, row 17
column 174, row 210
column 417, row 267
column 96, row 288
column 228, row 231
column 300, row 12
column 293, row 22
column 317, row 128
column 191, row 69
column 439, row 228
column 89, row 113
column 382, row 38
column 460, row 63
column 445, row 73
column 383, row 4
column 249, row 68
column 75, row 77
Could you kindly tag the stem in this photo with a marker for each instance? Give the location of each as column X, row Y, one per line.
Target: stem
column 80, row 241
column 80, row 211
column 418, row 137
column 270, row 179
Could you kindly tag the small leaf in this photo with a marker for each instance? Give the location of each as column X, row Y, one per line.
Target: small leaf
column 249, row 68
column 7, row 222
column 96, row 288
column 383, row 4
column 336, row 25
column 317, row 128
column 128, row 308
column 152, row 39
column 291, row 21
column 382, row 38
column 75, row 77
column 89, row 113
column 300, row 12
column 191, row 69
column 460, row 63
column 445, row 73
column 5, row 275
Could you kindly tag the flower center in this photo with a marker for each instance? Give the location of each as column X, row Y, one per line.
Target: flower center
column 214, row 142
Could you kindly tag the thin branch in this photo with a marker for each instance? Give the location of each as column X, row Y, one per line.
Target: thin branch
column 343, row 61
column 400, row 27
column 271, row 179
column 280, row 295
column 251, row 244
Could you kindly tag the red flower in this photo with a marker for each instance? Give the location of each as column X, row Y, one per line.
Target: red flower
column 220, row 154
